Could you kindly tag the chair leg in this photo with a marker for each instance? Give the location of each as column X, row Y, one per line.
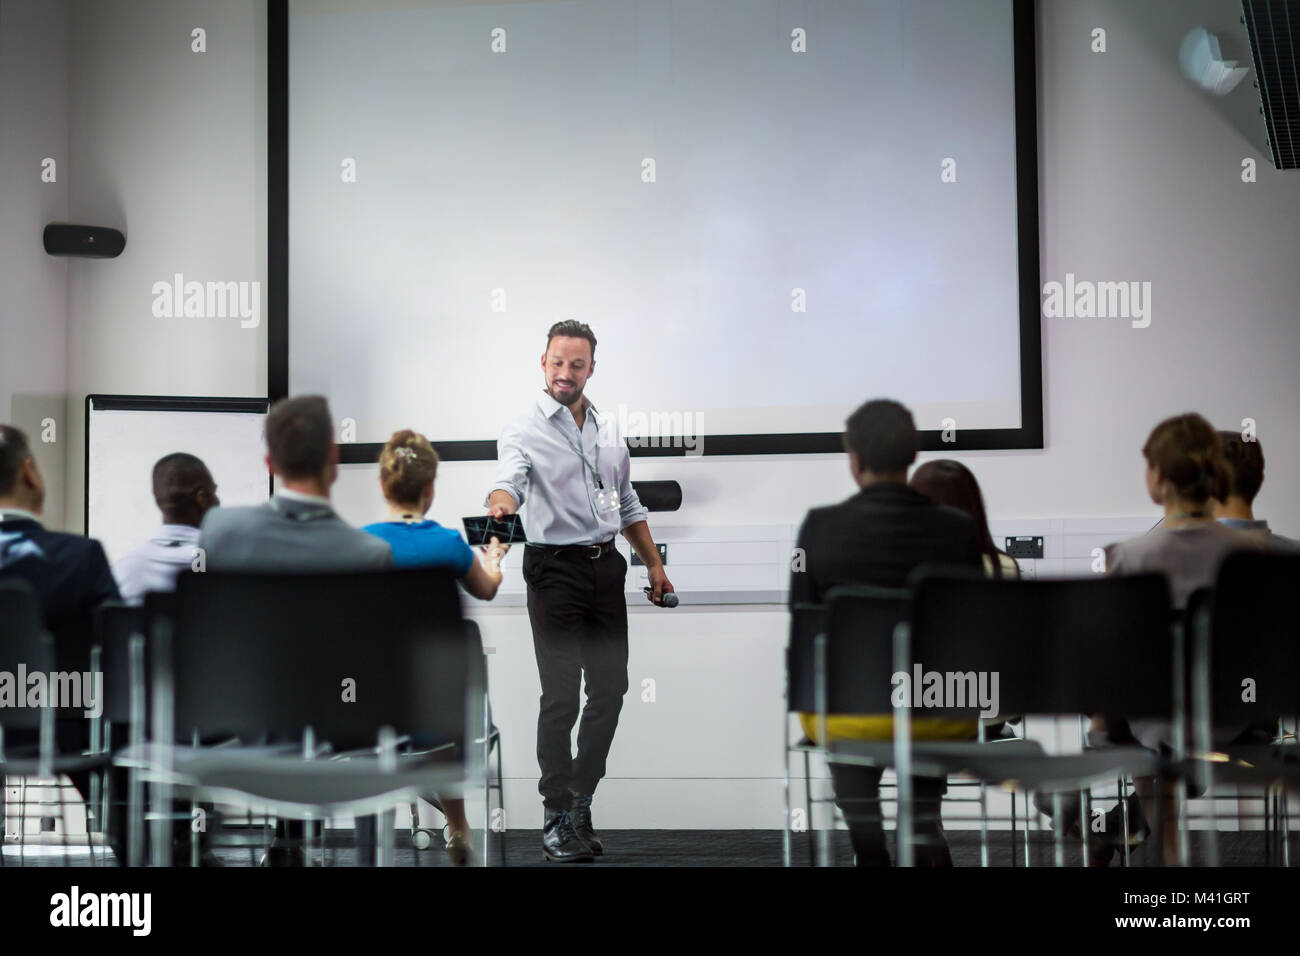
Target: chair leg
column 1085, row 822
column 984, row 825
column 1058, row 832
column 1028, row 817
column 501, row 802
column 785, row 793
column 808, row 809
column 1123, row 812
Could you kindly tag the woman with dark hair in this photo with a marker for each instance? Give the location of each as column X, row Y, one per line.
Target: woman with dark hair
column 951, row 483
column 1185, row 472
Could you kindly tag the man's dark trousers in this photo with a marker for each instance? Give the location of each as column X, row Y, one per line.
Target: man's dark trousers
column 579, row 619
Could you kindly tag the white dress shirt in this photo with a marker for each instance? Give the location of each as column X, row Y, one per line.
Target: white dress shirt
column 567, row 496
column 155, row 565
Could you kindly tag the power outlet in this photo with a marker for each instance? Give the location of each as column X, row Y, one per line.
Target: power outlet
column 663, row 554
column 1025, row 546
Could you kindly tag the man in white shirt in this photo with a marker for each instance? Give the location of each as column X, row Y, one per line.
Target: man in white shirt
column 565, row 463
column 184, row 490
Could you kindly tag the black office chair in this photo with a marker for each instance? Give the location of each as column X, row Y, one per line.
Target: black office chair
column 1246, row 674
column 26, row 645
column 841, row 662
column 1096, row 645
column 332, row 662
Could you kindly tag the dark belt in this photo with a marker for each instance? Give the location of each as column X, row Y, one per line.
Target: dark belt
column 585, row 550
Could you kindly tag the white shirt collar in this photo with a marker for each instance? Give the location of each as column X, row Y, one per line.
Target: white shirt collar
column 303, row 496
column 549, row 406
column 10, row 513
column 176, row 532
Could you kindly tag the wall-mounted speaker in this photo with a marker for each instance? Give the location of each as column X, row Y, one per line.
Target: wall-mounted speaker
column 92, row 242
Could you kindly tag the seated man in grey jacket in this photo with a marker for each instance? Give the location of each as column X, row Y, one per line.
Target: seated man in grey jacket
column 297, row 530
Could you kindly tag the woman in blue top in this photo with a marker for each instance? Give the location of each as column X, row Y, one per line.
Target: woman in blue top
column 407, row 467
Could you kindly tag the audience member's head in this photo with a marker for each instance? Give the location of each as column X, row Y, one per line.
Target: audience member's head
column 21, row 483
column 407, row 467
column 183, row 488
column 951, row 483
column 1246, row 474
column 1186, row 469
column 881, row 440
column 300, row 444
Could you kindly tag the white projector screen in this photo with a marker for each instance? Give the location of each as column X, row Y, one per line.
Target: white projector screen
column 126, row 435
column 767, row 212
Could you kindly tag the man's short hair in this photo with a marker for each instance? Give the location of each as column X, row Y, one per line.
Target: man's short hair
column 572, row 328
column 13, row 452
column 1246, row 462
column 299, row 433
column 176, row 477
column 883, row 434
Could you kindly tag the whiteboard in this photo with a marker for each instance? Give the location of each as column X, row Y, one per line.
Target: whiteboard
column 126, row 435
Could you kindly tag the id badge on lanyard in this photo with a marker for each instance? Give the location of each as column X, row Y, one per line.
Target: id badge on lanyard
column 606, row 499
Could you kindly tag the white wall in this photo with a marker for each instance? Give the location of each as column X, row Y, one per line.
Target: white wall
column 33, row 286
column 1140, row 179
column 168, row 145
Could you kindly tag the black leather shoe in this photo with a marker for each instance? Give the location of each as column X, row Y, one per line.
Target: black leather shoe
column 580, row 815
column 560, row 843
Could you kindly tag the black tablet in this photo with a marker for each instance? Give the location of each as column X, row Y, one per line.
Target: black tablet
column 480, row 529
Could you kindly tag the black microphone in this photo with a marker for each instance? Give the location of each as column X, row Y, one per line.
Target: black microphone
column 667, row 598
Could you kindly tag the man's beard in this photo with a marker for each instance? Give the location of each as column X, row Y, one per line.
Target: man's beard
column 568, row 399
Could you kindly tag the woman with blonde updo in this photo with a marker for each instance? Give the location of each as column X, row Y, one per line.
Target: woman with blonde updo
column 407, row 467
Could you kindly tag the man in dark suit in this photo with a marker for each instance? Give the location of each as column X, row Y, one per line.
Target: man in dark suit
column 877, row 537
column 69, row 574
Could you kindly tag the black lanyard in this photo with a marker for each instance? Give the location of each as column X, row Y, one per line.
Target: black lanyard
column 597, row 480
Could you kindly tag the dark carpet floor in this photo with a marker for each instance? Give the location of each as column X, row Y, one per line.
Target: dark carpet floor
column 698, row 848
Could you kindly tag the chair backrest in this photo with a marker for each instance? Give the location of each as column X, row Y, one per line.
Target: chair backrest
column 1250, row 630
column 1097, row 644
column 255, row 655
column 116, row 624
column 858, row 623
column 25, row 646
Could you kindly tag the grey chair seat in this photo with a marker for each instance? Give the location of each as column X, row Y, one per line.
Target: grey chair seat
column 1018, row 764
column 30, row 766
column 282, row 780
